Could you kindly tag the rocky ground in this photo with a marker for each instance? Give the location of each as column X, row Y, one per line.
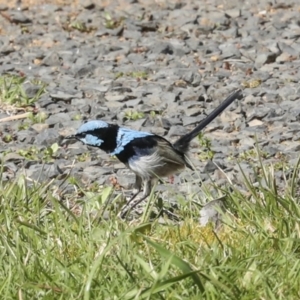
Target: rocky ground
column 159, row 66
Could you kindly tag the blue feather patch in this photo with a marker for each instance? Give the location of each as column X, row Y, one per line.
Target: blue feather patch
column 125, row 136
column 92, row 125
column 91, row 140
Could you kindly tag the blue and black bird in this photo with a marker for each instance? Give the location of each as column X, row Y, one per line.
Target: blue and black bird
column 148, row 155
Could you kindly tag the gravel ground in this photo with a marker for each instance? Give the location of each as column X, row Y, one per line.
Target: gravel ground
column 159, row 66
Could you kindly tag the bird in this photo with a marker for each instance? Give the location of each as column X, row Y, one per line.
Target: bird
column 148, row 155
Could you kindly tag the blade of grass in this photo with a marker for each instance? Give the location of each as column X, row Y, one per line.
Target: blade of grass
column 177, row 261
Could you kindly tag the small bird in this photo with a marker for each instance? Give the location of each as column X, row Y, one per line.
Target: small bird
column 148, row 155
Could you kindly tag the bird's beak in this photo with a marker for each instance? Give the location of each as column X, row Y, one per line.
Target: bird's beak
column 69, row 137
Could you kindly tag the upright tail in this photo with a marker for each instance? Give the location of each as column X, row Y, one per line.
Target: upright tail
column 182, row 144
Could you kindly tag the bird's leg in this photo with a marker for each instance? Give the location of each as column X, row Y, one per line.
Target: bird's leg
column 146, row 193
column 138, row 186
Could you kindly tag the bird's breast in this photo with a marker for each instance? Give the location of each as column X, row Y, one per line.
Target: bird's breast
column 153, row 165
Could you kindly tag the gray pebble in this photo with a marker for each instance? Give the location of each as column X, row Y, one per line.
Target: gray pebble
column 47, row 137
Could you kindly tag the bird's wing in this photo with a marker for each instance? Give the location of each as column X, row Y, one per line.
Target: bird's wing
column 162, row 148
column 126, row 136
column 168, row 153
column 155, row 156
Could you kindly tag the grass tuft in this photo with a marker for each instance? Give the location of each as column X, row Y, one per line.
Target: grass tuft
column 12, row 92
column 50, row 249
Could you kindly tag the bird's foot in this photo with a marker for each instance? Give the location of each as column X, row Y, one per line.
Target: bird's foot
column 129, row 207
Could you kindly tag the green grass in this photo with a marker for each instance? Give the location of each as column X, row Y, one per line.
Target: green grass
column 133, row 115
column 34, row 153
column 13, row 93
column 205, row 143
column 58, row 247
column 110, row 22
column 134, row 74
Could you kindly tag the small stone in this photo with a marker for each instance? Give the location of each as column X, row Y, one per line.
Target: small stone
column 58, row 119
column 32, row 91
column 3, row 7
column 87, row 4
column 52, row 59
column 93, row 173
column 115, row 105
column 126, row 178
column 177, row 131
column 25, row 136
column 6, row 49
column 85, row 70
column 212, row 212
column 255, row 122
column 19, row 17
column 187, row 121
column 285, row 48
column 283, row 57
column 210, row 167
column 265, row 58
column 47, row 137
column 14, row 157
column 115, row 97
column 233, row 13
column 162, row 48
column 53, row 171
column 60, row 95
column 39, row 127
column 229, row 116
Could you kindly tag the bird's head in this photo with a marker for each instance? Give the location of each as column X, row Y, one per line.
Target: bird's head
column 97, row 133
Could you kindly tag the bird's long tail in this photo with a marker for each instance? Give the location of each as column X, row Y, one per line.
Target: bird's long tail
column 182, row 144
